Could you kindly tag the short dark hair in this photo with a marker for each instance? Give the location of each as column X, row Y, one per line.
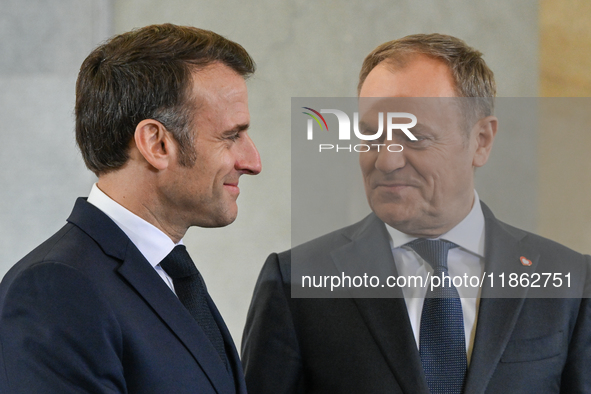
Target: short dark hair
column 145, row 74
column 471, row 75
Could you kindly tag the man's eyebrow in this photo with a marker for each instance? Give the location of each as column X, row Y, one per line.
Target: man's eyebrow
column 238, row 128
column 364, row 126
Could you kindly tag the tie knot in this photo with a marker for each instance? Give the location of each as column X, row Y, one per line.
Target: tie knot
column 178, row 263
column 433, row 251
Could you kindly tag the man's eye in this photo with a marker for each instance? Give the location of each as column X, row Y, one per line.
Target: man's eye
column 419, row 142
column 369, row 132
column 234, row 137
column 372, row 133
column 419, row 138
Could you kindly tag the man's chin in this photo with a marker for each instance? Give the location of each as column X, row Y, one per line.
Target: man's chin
column 226, row 220
column 221, row 219
column 401, row 218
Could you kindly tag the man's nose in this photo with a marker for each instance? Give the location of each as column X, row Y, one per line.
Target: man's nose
column 388, row 162
column 249, row 160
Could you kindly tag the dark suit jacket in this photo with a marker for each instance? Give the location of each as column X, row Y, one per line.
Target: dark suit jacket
column 86, row 313
column 362, row 345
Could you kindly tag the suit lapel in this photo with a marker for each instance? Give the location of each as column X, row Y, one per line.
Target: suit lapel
column 144, row 279
column 497, row 316
column 388, row 323
column 386, row 318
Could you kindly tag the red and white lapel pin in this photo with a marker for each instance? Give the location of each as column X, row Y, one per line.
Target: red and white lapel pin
column 525, row 261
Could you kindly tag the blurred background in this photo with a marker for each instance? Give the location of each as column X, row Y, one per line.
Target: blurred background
column 538, row 179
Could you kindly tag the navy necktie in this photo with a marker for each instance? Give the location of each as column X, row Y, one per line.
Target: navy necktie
column 191, row 291
column 442, row 343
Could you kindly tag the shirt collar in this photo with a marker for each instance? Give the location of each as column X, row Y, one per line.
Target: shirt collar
column 152, row 243
column 468, row 234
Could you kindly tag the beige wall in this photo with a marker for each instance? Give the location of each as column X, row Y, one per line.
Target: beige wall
column 565, row 48
column 564, row 191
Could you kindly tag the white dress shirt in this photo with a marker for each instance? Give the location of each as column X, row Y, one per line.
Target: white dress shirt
column 152, row 243
column 467, row 259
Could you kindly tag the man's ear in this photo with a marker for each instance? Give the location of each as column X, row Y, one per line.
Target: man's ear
column 155, row 143
column 484, row 132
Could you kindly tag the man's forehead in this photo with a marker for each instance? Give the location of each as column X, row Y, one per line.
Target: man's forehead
column 428, row 110
column 218, row 81
column 419, row 76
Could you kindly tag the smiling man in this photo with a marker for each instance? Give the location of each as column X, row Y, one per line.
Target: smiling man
column 427, row 222
column 112, row 303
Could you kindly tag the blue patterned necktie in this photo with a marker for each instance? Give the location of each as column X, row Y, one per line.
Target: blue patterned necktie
column 191, row 291
column 442, row 343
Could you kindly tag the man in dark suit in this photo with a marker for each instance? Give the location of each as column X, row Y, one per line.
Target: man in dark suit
column 427, row 222
column 112, row 303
